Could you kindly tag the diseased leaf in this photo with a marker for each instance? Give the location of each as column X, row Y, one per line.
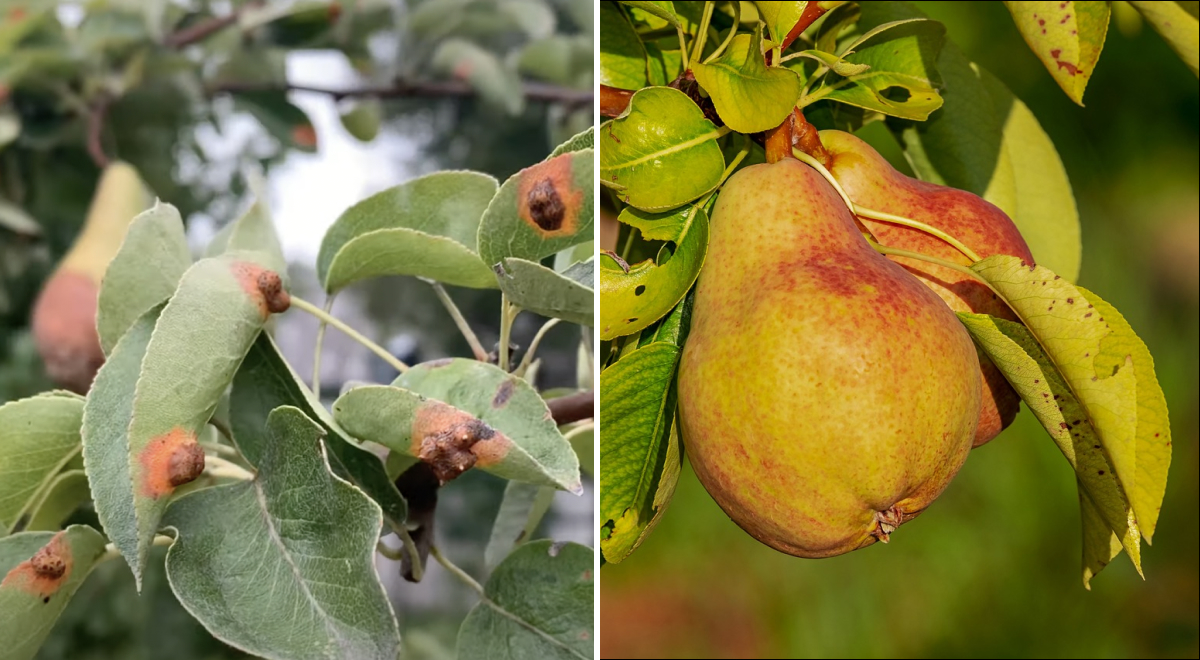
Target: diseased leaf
column 632, row 300
column 1177, row 26
column 58, row 501
column 661, row 134
column 578, row 142
column 1100, row 544
column 426, row 227
column 569, row 295
column 458, row 413
column 622, row 55
column 295, row 539
column 38, row 436
column 42, row 570
column 900, row 79
column 1033, row 375
column 144, row 273
column 264, row 382
column 537, row 604
column 540, row 210
column 749, row 96
column 639, row 456
column 1066, row 36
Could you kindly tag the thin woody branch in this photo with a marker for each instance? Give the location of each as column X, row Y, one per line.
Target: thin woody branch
column 419, row 89
column 572, row 408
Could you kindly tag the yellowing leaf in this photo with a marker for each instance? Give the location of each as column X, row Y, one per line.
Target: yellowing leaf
column 749, row 96
column 1066, row 36
column 1100, row 544
column 1177, row 27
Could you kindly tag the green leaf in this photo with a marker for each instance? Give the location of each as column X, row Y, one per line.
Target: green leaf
column 583, row 440
column 749, row 96
column 1073, row 332
column 106, row 417
column 38, row 436
column 144, row 273
column 622, row 55
column 578, row 142
column 984, row 140
column 264, row 382
column 661, row 134
column 42, row 570
column 780, row 17
column 294, row 540
column 543, row 209
column 426, row 227
column 521, row 510
column 1066, row 36
column 1153, row 425
column 569, row 295
column 1034, row 376
column 1177, row 26
column 58, row 501
column 664, row 9
column 834, row 63
column 496, row 84
column 901, row 79
column 13, row 217
column 537, row 604
column 631, row 301
column 639, row 453
column 498, row 422
column 254, row 230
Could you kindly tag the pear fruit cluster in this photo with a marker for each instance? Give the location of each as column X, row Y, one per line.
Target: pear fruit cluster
column 64, row 315
column 829, row 394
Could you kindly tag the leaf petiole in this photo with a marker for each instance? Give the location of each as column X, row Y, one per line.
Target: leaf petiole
column 316, row 378
column 219, row 467
column 533, row 346
column 737, row 21
column 458, row 572
column 702, row 32
column 350, row 332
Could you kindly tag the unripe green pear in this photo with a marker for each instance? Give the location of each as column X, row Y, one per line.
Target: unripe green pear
column 826, row 396
column 64, row 316
column 870, row 181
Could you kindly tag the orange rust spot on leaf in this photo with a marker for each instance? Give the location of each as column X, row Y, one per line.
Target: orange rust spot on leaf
column 43, row 574
column 451, row 441
column 548, row 199
column 169, row 461
column 264, row 286
column 304, row 135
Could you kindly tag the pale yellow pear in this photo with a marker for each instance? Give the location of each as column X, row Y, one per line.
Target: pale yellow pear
column 826, row 395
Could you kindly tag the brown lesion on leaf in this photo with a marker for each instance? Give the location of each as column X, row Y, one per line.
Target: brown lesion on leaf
column 548, row 199
column 45, row 572
column 503, row 394
column 168, row 461
column 264, row 286
column 451, row 441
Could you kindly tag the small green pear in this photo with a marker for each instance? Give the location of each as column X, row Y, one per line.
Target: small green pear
column 64, row 316
column 826, row 396
column 869, row 180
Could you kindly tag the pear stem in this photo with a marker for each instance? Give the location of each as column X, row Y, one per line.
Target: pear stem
column 883, row 249
column 737, row 20
column 350, row 332
column 880, row 215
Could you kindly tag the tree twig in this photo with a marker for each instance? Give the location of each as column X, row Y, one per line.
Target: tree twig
column 573, row 407
column 97, row 113
column 418, row 89
column 203, row 29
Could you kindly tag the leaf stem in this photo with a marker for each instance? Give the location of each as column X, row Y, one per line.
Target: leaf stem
column 220, row 449
column 350, row 332
column 880, row 215
column 316, row 378
column 410, row 547
column 683, row 51
column 883, row 249
column 460, row 321
column 219, row 467
column 533, row 346
column 737, row 21
column 507, row 314
column 458, row 572
column 111, row 551
column 702, row 32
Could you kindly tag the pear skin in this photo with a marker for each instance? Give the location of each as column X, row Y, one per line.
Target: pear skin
column 826, row 396
column 871, row 181
column 64, row 315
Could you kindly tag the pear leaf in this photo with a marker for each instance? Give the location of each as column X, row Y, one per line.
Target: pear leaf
column 569, row 295
column 1066, row 36
column 749, row 96
column 521, row 510
column 632, row 299
column 58, row 501
column 664, row 9
column 1177, row 26
column 1100, row 544
column 780, row 17
column 622, row 55
column 41, row 570
column 661, row 134
column 39, row 436
column 144, row 272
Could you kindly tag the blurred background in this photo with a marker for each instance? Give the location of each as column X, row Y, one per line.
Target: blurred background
column 992, row 569
column 192, row 92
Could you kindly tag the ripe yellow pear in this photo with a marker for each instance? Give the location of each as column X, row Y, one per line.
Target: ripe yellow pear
column 872, row 182
column 826, row 395
column 64, row 316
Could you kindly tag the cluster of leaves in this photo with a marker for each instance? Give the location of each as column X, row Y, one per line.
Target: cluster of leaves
column 272, row 544
column 703, row 81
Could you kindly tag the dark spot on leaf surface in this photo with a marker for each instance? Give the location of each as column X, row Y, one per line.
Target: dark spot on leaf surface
column 641, row 288
column 186, row 463
column 545, row 206
column 503, row 394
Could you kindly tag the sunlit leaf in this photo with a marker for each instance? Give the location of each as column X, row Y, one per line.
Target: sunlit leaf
column 1067, row 37
column 780, row 17
column 749, row 96
column 622, row 55
column 664, row 9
